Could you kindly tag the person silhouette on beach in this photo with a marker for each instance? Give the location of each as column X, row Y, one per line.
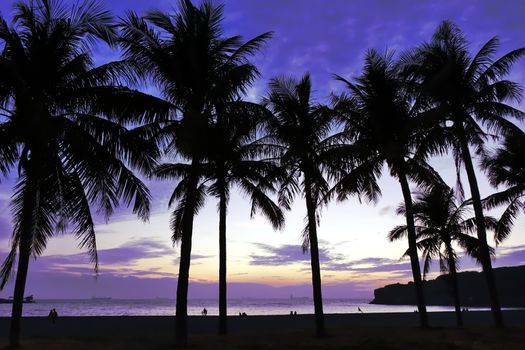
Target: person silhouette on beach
column 204, row 312
column 52, row 315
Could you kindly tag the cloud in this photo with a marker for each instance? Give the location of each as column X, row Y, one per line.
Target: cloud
column 323, row 40
column 104, row 271
column 119, row 260
column 56, row 285
column 284, row 254
column 332, row 39
column 509, row 256
column 132, row 251
column 5, row 228
column 369, row 265
column 194, row 258
column 330, row 261
column 386, row 210
column 505, row 256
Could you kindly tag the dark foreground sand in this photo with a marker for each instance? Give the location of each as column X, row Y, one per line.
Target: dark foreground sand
column 354, row 339
column 349, row 331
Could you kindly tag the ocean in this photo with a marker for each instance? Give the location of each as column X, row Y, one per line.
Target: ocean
column 166, row 307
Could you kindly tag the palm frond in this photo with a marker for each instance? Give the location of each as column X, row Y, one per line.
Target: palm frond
column 397, row 232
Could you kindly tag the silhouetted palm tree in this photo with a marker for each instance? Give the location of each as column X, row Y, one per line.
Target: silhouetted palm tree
column 303, row 129
column 196, row 68
column 474, row 94
column 58, row 127
column 233, row 160
column 440, row 223
column 506, row 166
column 384, row 124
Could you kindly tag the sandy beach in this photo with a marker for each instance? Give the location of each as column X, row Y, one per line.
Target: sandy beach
column 348, row 331
column 151, row 326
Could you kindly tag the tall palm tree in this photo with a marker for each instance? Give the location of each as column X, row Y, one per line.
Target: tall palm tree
column 475, row 95
column 384, row 123
column 195, row 68
column 302, row 128
column 440, row 223
column 233, row 161
column 506, row 166
column 59, row 128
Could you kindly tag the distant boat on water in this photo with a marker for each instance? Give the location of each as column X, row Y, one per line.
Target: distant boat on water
column 101, row 298
column 28, row 299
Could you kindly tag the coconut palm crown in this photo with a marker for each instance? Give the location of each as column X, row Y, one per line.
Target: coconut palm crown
column 302, row 129
column 441, row 224
column 506, row 167
column 60, row 131
column 476, row 99
column 385, row 124
column 196, row 68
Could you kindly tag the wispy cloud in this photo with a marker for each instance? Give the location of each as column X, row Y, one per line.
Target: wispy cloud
column 121, row 260
column 284, row 254
column 330, row 261
column 509, row 256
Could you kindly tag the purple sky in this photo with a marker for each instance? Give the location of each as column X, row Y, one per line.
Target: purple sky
column 322, row 37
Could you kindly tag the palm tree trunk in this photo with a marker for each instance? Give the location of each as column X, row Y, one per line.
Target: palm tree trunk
column 223, row 325
column 21, row 276
column 455, row 288
column 412, row 248
column 314, row 260
column 24, row 251
column 486, row 262
column 181, row 311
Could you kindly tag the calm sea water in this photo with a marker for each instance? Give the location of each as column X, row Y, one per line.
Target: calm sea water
column 163, row 307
